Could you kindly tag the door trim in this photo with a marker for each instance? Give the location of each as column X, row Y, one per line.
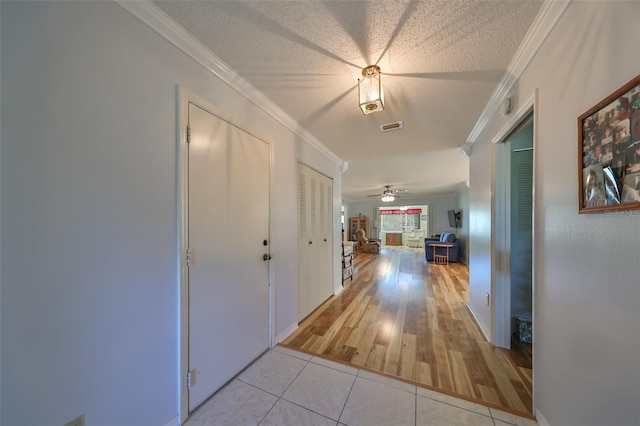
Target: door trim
column 500, row 244
column 500, row 241
column 184, row 97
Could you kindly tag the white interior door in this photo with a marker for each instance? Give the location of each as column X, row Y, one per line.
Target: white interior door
column 325, row 239
column 307, row 242
column 315, row 240
column 228, row 233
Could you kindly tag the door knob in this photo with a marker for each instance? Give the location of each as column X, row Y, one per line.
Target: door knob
column 266, row 257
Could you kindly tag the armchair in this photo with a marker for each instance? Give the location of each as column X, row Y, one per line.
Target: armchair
column 415, row 238
column 445, row 238
column 365, row 245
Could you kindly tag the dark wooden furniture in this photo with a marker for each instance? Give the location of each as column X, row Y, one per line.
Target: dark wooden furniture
column 393, row 238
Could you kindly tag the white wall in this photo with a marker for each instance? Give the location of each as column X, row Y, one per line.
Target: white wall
column 89, row 213
column 587, row 296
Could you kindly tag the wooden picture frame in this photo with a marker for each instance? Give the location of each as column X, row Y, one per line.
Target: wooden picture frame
column 609, row 152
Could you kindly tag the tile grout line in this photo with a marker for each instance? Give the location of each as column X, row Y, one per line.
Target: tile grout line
column 269, row 411
column 279, row 397
column 415, row 411
column 307, row 362
column 334, row 369
column 348, row 395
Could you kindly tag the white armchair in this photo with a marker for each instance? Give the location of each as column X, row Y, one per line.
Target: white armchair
column 416, row 238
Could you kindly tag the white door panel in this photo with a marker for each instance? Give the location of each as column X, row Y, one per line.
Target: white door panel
column 315, row 240
column 228, row 279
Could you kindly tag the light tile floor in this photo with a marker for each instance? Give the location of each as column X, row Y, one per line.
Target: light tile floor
column 285, row 387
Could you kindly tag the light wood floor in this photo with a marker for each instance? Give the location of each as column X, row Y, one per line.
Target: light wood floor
column 409, row 319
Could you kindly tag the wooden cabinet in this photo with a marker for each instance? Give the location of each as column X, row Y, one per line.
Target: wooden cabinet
column 315, row 239
column 355, row 223
column 393, row 239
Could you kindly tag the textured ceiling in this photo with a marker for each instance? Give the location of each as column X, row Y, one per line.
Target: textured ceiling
column 441, row 61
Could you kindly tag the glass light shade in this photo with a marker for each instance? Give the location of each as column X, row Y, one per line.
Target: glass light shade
column 370, row 95
column 387, row 198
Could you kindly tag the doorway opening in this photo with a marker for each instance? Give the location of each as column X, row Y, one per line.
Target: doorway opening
column 513, row 314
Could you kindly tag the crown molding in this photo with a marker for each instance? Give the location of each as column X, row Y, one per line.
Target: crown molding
column 545, row 21
column 177, row 35
column 466, row 149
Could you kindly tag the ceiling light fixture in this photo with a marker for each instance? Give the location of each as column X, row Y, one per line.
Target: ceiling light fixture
column 370, row 95
column 387, row 196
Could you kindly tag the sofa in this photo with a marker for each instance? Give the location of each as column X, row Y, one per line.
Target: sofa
column 445, row 238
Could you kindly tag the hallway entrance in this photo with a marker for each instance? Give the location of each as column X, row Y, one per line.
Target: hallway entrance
column 408, row 319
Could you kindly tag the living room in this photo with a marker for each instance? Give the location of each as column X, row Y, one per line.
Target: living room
column 435, row 207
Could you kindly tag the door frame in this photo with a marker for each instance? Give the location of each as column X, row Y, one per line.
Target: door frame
column 501, row 239
column 184, row 97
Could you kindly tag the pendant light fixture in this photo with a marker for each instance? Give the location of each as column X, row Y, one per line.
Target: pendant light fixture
column 370, row 95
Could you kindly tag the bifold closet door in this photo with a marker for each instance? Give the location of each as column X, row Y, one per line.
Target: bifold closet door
column 315, row 240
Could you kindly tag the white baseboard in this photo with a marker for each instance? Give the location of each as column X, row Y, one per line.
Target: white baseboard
column 173, row 422
column 540, row 418
column 475, row 317
column 280, row 337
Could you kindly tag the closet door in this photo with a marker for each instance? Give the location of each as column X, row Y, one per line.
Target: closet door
column 325, row 240
column 307, row 242
column 315, row 240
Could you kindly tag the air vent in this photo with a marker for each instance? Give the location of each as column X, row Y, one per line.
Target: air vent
column 391, row 126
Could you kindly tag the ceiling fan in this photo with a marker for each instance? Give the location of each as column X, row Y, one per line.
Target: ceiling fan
column 388, row 194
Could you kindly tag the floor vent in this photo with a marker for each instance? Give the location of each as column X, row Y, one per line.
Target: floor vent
column 391, row 126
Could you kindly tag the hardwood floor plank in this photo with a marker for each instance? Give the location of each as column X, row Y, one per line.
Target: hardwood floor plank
column 526, row 374
column 461, row 379
column 489, row 394
column 423, row 373
column 361, row 304
column 404, row 317
column 365, row 346
column 337, row 343
column 408, row 357
column 443, row 369
column 394, row 348
column 432, row 312
column 360, row 327
column 503, row 378
column 375, row 360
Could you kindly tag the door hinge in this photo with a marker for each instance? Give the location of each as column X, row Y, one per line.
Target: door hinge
column 188, row 134
column 191, row 378
column 188, row 257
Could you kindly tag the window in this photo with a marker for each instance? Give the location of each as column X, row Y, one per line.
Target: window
column 399, row 220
